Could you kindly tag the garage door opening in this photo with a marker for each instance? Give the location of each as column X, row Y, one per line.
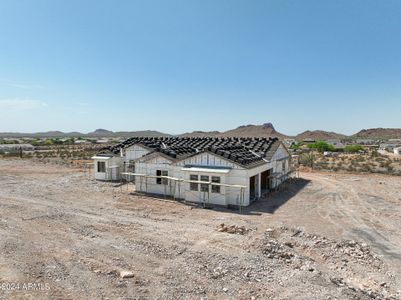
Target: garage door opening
column 252, row 188
column 265, row 181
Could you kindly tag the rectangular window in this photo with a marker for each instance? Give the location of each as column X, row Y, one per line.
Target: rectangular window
column 283, row 166
column 161, row 180
column 216, row 188
column 194, row 186
column 204, row 187
column 165, row 180
column 101, row 167
column 158, row 179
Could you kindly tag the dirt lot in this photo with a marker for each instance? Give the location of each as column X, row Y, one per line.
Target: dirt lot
column 324, row 236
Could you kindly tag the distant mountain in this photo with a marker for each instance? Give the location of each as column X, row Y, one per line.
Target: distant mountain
column 100, row 133
column 73, row 133
column 51, row 133
column 265, row 130
column 33, row 135
column 319, row 135
column 201, row 133
column 108, row 133
column 379, row 133
column 148, row 133
column 97, row 133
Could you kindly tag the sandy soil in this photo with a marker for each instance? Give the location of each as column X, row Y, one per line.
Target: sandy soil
column 323, row 236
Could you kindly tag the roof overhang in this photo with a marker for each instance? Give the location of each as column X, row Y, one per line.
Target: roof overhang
column 101, row 157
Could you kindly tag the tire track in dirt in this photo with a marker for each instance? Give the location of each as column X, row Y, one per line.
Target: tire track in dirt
column 364, row 223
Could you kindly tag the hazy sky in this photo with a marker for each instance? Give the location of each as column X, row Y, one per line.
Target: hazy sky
column 178, row 66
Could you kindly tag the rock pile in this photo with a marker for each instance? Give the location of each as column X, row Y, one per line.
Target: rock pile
column 348, row 264
column 233, row 229
column 275, row 249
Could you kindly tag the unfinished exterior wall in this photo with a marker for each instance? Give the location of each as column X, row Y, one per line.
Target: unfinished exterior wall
column 134, row 152
column 111, row 170
column 245, row 183
column 281, row 164
column 207, row 159
column 150, row 166
column 227, row 195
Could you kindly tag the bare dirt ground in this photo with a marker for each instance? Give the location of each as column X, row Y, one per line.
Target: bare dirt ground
column 325, row 236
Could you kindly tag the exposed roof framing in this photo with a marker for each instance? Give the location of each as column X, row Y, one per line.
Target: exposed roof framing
column 245, row 152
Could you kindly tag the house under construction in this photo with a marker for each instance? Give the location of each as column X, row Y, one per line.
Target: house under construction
column 221, row 171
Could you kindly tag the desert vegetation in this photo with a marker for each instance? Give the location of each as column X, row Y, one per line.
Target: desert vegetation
column 368, row 163
column 67, row 154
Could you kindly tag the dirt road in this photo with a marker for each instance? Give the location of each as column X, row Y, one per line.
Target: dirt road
column 323, row 237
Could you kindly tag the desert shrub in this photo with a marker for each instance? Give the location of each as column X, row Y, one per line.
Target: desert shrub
column 366, row 167
column 48, row 142
column 374, row 153
column 9, row 142
column 353, row 148
column 307, row 159
column 351, row 168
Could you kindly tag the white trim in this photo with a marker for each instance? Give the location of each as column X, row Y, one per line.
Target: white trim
column 102, row 157
column 206, row 170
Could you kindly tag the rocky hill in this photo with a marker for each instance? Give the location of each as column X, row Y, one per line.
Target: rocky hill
column 319, row 135
column 379, row 133
column 107, row 133
column 265, row 130
column 201, row 133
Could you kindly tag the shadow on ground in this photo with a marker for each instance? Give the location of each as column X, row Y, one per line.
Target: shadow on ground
column 268, row 204
column 274, row 200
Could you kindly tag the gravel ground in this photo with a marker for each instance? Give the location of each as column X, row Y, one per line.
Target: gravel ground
column 324, row 236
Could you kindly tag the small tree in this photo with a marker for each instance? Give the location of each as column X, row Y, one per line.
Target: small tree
column 322, row 146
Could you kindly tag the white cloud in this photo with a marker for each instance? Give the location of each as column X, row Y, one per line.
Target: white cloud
column 21, row 104
column 20, row 85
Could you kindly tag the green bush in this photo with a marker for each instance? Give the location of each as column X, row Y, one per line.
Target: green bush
column 353, row 148
column 48, row 142
column 322, row 146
